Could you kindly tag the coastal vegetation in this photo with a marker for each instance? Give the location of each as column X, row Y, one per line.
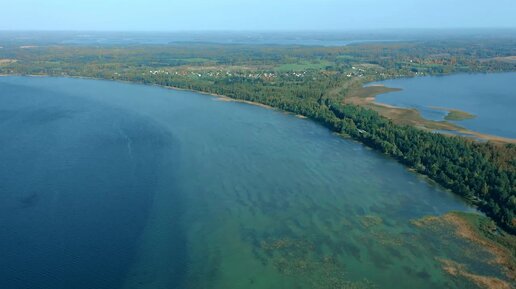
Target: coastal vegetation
column 458, row 115
column 326, row 85
column 481, row 232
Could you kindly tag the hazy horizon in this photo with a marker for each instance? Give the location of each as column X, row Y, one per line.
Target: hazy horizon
column 272, row 31
column 254, row 16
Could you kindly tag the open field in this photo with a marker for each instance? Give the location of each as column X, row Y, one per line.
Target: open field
column 302, row 66
column 506, row 59
column 7, row 61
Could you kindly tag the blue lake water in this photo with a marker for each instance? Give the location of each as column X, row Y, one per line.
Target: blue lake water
column 491, row 97
column 113, row 185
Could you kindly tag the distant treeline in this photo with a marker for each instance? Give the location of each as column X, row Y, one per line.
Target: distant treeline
column 483, row 173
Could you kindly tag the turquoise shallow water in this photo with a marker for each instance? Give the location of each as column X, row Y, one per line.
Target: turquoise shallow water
column 112, row 185
column 490, row 97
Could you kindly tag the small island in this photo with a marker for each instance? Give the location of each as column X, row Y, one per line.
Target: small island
column 458, row 115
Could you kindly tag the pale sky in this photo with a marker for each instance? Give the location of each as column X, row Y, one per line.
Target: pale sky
column 174, row 15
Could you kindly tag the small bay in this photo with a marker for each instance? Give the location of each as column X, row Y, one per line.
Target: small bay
column 490, row 98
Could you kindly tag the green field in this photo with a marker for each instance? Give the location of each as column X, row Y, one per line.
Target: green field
column 302, row 66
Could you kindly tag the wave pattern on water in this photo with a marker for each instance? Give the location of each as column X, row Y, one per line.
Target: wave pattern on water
column 142, row 187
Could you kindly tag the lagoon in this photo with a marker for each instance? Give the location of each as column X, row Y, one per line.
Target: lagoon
column 491, row 98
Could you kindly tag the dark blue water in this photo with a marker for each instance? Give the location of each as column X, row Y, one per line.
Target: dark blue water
column 76, row 182
column 113, row 185
column 491, row 97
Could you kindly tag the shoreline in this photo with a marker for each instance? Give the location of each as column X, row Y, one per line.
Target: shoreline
column 218, row 96
column 362, row 97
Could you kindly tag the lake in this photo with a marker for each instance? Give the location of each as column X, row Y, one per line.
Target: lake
column 490, row 97
column 115, row 185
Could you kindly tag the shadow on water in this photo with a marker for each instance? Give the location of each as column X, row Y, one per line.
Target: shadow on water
column 161, row 256
column 78, row 183
column 29, row 200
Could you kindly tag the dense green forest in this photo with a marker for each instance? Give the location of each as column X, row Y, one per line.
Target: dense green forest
column 314, row 81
